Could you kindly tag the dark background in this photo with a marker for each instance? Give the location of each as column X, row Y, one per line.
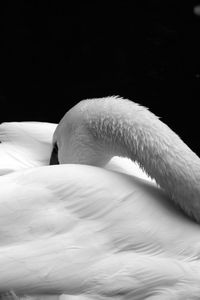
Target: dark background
column 52, row 55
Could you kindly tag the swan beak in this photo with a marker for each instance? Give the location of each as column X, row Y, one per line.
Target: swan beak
column 54, row 156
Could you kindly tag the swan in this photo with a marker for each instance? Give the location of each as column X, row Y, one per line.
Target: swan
column 82, row 230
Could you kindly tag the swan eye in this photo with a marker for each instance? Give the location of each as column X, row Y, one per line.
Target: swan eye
column 54, row 155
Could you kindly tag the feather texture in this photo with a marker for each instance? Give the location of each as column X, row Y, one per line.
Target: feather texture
column 59, row 238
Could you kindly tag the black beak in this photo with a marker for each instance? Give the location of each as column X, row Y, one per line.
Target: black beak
column 54, row 155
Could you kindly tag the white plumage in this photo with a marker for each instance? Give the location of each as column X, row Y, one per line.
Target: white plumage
column 94, row 234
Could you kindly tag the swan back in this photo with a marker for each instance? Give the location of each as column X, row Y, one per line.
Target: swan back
column 85, row 230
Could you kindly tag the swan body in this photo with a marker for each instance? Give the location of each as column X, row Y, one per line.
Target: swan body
column 92, row 233
column 67, row 230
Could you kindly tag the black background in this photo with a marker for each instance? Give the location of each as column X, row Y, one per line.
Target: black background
column 52, row 55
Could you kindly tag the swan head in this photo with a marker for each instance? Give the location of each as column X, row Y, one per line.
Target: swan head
column 54, row 155
column 62, row 139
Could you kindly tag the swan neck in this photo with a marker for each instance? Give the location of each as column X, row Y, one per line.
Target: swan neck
column 117, row 127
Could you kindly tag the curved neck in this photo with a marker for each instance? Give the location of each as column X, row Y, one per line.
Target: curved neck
column 101, row 128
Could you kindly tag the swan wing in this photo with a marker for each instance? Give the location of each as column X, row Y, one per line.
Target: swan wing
column 24, row 145
column 82, row 230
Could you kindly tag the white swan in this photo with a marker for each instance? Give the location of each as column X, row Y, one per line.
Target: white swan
column 83, row 230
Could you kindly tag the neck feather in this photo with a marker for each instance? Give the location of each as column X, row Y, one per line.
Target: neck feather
column 113, row 126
